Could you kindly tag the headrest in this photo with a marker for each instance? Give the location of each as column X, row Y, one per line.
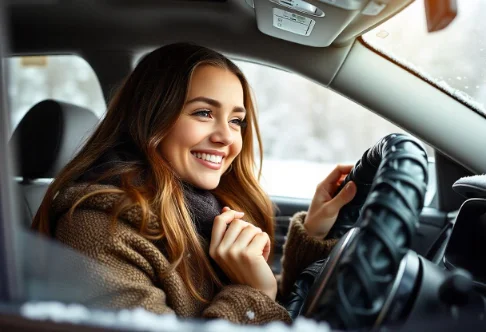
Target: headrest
column 48, row 136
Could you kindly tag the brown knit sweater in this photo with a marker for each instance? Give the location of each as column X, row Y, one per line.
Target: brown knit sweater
column 132, row 266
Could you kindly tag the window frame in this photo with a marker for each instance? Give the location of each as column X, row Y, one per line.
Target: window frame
column 10, row 285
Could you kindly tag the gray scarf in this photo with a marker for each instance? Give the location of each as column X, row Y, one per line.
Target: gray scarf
column 204, row 207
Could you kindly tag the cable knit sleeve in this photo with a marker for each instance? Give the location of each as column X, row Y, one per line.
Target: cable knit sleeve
column 247, row 305
column 300, row 250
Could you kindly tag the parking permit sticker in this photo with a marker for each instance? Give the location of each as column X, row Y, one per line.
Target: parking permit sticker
column 292, row 22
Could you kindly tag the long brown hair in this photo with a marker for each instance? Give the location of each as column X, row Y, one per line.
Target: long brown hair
column 140, row 116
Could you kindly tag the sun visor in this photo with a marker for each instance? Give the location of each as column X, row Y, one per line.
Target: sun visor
column 320, row 23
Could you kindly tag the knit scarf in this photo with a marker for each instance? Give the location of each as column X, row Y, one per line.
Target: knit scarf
column 204, row 207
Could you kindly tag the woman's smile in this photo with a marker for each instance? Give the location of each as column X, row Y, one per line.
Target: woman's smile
column 207, row 159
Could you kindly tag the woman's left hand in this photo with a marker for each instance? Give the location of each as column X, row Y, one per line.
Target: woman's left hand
column 324, row 209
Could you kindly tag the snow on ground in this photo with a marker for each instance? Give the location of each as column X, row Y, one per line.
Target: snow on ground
column 142, row 320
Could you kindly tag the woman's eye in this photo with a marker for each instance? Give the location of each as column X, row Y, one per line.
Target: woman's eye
column 203, row 113
column 239, row 122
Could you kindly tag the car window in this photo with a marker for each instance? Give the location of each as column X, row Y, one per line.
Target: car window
column 307, row 129
column 66, row 78
column 452, row 58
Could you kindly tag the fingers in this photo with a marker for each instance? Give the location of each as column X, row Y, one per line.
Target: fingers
column 267, row 248
column 232, row 233
column 219, row 227
column 260, row 245
column 237, row 237
column 344, row 196
column 331, row 182
column 245, row 237
column 341, row 180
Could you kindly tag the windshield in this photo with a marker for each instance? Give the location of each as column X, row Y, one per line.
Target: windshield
column 453, row 58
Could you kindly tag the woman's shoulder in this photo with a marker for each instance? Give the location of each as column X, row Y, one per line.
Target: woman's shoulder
column 94, row 196
column 100, row 201
column 91, row 230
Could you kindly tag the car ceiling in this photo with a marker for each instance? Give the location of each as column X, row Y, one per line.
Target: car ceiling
column 348, row 67
column 65, row 26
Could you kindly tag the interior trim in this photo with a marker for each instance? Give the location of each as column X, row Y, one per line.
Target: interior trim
column 402, row 99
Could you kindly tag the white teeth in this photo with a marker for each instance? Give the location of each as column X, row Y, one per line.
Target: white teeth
column 209, row 157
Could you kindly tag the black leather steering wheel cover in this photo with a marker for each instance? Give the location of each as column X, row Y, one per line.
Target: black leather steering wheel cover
column 392, row 208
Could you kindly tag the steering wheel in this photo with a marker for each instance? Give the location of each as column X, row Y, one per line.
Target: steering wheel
column 353, row 286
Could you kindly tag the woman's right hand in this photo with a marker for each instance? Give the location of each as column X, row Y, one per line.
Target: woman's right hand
column 241, row 250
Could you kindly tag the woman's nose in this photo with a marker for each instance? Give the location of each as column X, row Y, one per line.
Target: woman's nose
column 222, row 134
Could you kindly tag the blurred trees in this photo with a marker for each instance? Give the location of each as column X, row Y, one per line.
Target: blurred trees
column 301, row 120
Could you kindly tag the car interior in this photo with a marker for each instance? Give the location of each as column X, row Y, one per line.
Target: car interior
column 422, row 264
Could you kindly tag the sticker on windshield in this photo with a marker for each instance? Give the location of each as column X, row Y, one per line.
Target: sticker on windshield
column 292, row 22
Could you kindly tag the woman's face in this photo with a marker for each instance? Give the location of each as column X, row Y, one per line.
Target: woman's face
column 207, row 136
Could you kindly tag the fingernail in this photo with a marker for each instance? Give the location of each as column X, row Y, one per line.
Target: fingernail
column 349, row 186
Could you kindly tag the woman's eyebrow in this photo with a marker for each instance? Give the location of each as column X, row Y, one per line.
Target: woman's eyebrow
column 214, row 103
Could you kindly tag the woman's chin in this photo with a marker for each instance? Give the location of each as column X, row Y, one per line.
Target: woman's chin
column 206, row 184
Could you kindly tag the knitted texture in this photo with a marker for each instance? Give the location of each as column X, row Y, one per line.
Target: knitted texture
column 133, row 269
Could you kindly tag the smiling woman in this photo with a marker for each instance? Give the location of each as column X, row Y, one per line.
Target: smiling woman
column 164, row 194
column 207, row 136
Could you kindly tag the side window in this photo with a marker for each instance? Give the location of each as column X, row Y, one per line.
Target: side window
column 67, row 78
column 308, row 129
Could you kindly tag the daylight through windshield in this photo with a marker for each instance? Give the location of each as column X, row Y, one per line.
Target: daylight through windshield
column 452, row 58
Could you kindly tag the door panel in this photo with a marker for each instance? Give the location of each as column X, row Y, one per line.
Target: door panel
column 286, row 208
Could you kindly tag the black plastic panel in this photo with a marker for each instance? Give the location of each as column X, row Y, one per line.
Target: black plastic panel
column 467, row 246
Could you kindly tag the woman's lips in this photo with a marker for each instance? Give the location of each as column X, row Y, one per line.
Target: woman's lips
column 209, row 164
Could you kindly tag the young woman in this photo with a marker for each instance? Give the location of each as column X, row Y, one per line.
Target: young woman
column 164, row 196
